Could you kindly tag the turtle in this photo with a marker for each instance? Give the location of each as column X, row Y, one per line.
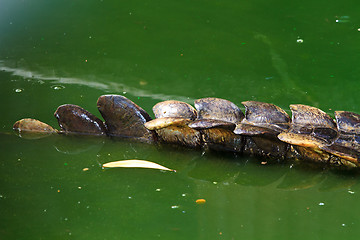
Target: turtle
column 74, row 119
column 124, row 118
column 171, row 123
column 216, row 121
column 33, row 129
column 262, row 123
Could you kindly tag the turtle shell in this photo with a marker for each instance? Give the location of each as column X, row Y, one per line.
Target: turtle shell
column 348, row 122
column 32, row 125
column 347, row 145
column 123, row 118
column 33, row 129
column 74, row 119
column 164, row 122
column 262, row 118
column 216, row 121
column 219, row 109
column 175, row 131
column 201, row 124
column 171, row 123
column 172, row 108
column 310, row 127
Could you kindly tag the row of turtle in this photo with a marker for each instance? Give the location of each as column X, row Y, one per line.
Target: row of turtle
column 264, row 130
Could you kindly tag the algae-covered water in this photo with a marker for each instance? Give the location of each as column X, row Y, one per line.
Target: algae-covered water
column 57, row 52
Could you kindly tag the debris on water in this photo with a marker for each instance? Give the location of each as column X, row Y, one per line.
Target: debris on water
column 143, row 83
column 18, row 90
column 200, row 201
column 136, row 164
column 57, row 87
column 342, row 19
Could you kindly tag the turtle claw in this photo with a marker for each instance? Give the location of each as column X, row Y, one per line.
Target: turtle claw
column 74, row 119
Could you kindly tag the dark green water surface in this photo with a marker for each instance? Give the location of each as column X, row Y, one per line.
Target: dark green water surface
column 282, row 52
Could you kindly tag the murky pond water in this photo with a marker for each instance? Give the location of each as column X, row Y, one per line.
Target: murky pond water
column 57, row 52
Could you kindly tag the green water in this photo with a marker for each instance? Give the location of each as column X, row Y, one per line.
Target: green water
column 57, row 52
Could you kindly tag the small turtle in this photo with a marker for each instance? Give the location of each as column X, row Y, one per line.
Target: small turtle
column 217, row 108
column 33, row 129
column 171, row 123
column 216, row 121
column 261, row 125
column 310, row 129
column 76, row 120
column 347, row 145
column 173, row 108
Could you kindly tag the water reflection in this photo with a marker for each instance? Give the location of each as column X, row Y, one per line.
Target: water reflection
column 78, row 144
column 211, row 167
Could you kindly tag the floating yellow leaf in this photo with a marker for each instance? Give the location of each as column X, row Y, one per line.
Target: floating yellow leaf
column 136, row 164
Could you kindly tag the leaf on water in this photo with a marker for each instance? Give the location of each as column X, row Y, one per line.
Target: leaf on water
column 136, row 164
